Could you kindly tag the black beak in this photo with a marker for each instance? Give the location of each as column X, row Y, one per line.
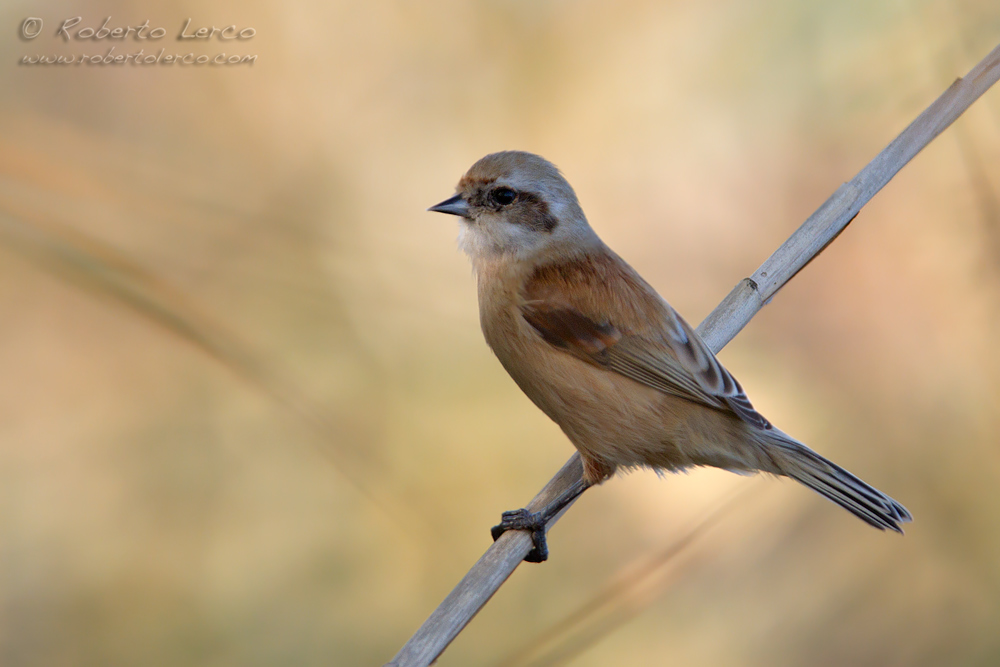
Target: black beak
column 454, row 206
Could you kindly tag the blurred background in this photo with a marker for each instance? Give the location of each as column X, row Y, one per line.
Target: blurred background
column 247, row 416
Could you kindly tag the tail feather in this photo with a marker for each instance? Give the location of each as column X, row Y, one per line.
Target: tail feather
column 833, row 482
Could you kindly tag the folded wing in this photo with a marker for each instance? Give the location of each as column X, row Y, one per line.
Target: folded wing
column 638, row 335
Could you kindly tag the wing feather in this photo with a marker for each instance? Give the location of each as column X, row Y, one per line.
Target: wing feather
column 712, row 376
column 660, row 351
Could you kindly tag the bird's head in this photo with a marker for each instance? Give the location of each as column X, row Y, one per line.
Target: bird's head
column 516, row 206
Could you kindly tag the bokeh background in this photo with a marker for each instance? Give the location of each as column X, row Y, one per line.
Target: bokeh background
column 246, row 413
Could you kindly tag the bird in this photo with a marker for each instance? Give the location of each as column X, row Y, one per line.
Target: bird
column 598, row 350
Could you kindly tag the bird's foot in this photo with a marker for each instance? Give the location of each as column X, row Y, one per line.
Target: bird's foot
column 522, row 519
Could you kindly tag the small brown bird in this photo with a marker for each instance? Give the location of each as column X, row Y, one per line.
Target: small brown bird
column 600, row 352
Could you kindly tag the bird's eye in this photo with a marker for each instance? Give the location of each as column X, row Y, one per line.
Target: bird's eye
column 502, row 196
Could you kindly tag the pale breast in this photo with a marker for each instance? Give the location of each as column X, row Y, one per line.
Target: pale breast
column 607, row 416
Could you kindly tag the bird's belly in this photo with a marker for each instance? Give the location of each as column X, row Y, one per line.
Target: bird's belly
column 607, row 416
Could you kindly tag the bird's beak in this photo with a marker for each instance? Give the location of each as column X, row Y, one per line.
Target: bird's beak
column 455, row 206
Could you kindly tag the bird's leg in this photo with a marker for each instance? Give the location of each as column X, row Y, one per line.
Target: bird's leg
column 522, row 519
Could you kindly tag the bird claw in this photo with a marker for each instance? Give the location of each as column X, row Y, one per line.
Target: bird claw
column 522, row 519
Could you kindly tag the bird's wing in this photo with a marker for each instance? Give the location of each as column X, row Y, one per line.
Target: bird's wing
column 608, row 316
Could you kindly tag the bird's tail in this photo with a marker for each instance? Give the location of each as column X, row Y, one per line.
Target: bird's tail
column 831, row 481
